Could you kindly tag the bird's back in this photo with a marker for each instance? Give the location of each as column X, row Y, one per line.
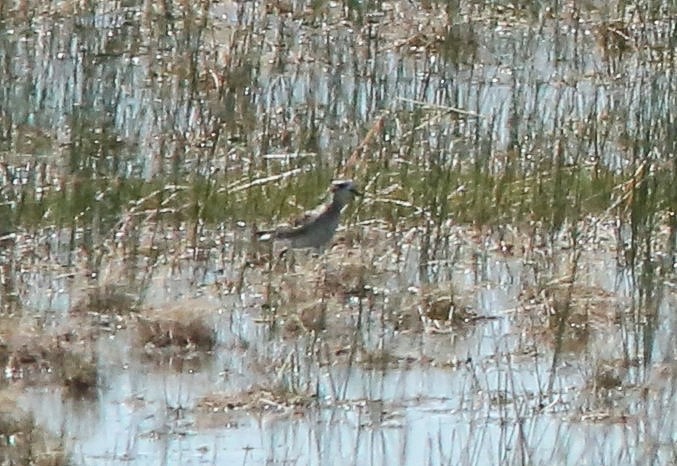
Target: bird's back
column 316, row 232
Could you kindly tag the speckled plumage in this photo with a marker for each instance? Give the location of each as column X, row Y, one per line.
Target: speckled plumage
column 317, row 228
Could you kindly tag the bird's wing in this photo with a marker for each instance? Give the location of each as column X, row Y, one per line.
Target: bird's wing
column 309, row 216
column 302, row 224
column 299, row 226
column 290, row 232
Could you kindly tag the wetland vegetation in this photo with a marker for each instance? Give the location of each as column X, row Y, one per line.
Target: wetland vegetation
column 505, row 292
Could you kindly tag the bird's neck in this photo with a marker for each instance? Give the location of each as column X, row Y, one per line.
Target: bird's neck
column 335, row 206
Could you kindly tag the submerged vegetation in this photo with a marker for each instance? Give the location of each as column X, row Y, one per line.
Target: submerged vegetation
column 513, row 257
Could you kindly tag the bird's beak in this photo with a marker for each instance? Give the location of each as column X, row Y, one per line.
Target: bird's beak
column 355, row 192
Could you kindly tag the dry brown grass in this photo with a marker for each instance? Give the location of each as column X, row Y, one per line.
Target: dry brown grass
column 65, row 358
column 256, row 400
column 587, row 310
column 183, row 331
column 106, row 299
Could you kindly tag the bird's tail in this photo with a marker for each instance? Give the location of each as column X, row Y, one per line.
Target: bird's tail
column 265, row 235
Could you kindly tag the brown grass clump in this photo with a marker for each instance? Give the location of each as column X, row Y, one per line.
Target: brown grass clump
column 79, row 374
column 309, row 317
column 445, row 308
column 584, row 308
column 106, row 299
column 350, row 279
column 615, row 39
column 378, row 359
column 257, row 400
column 608, row 376
column 64, row 358
column 29, row 358
column 180, row 332
column 164, row 333
column 441, row 309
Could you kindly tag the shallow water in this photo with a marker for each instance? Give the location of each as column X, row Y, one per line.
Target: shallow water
column 474, row 395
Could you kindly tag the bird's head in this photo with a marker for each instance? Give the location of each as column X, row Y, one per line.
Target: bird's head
column 344, row 191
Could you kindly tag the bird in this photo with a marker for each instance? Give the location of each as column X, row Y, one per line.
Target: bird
column 316, row 228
